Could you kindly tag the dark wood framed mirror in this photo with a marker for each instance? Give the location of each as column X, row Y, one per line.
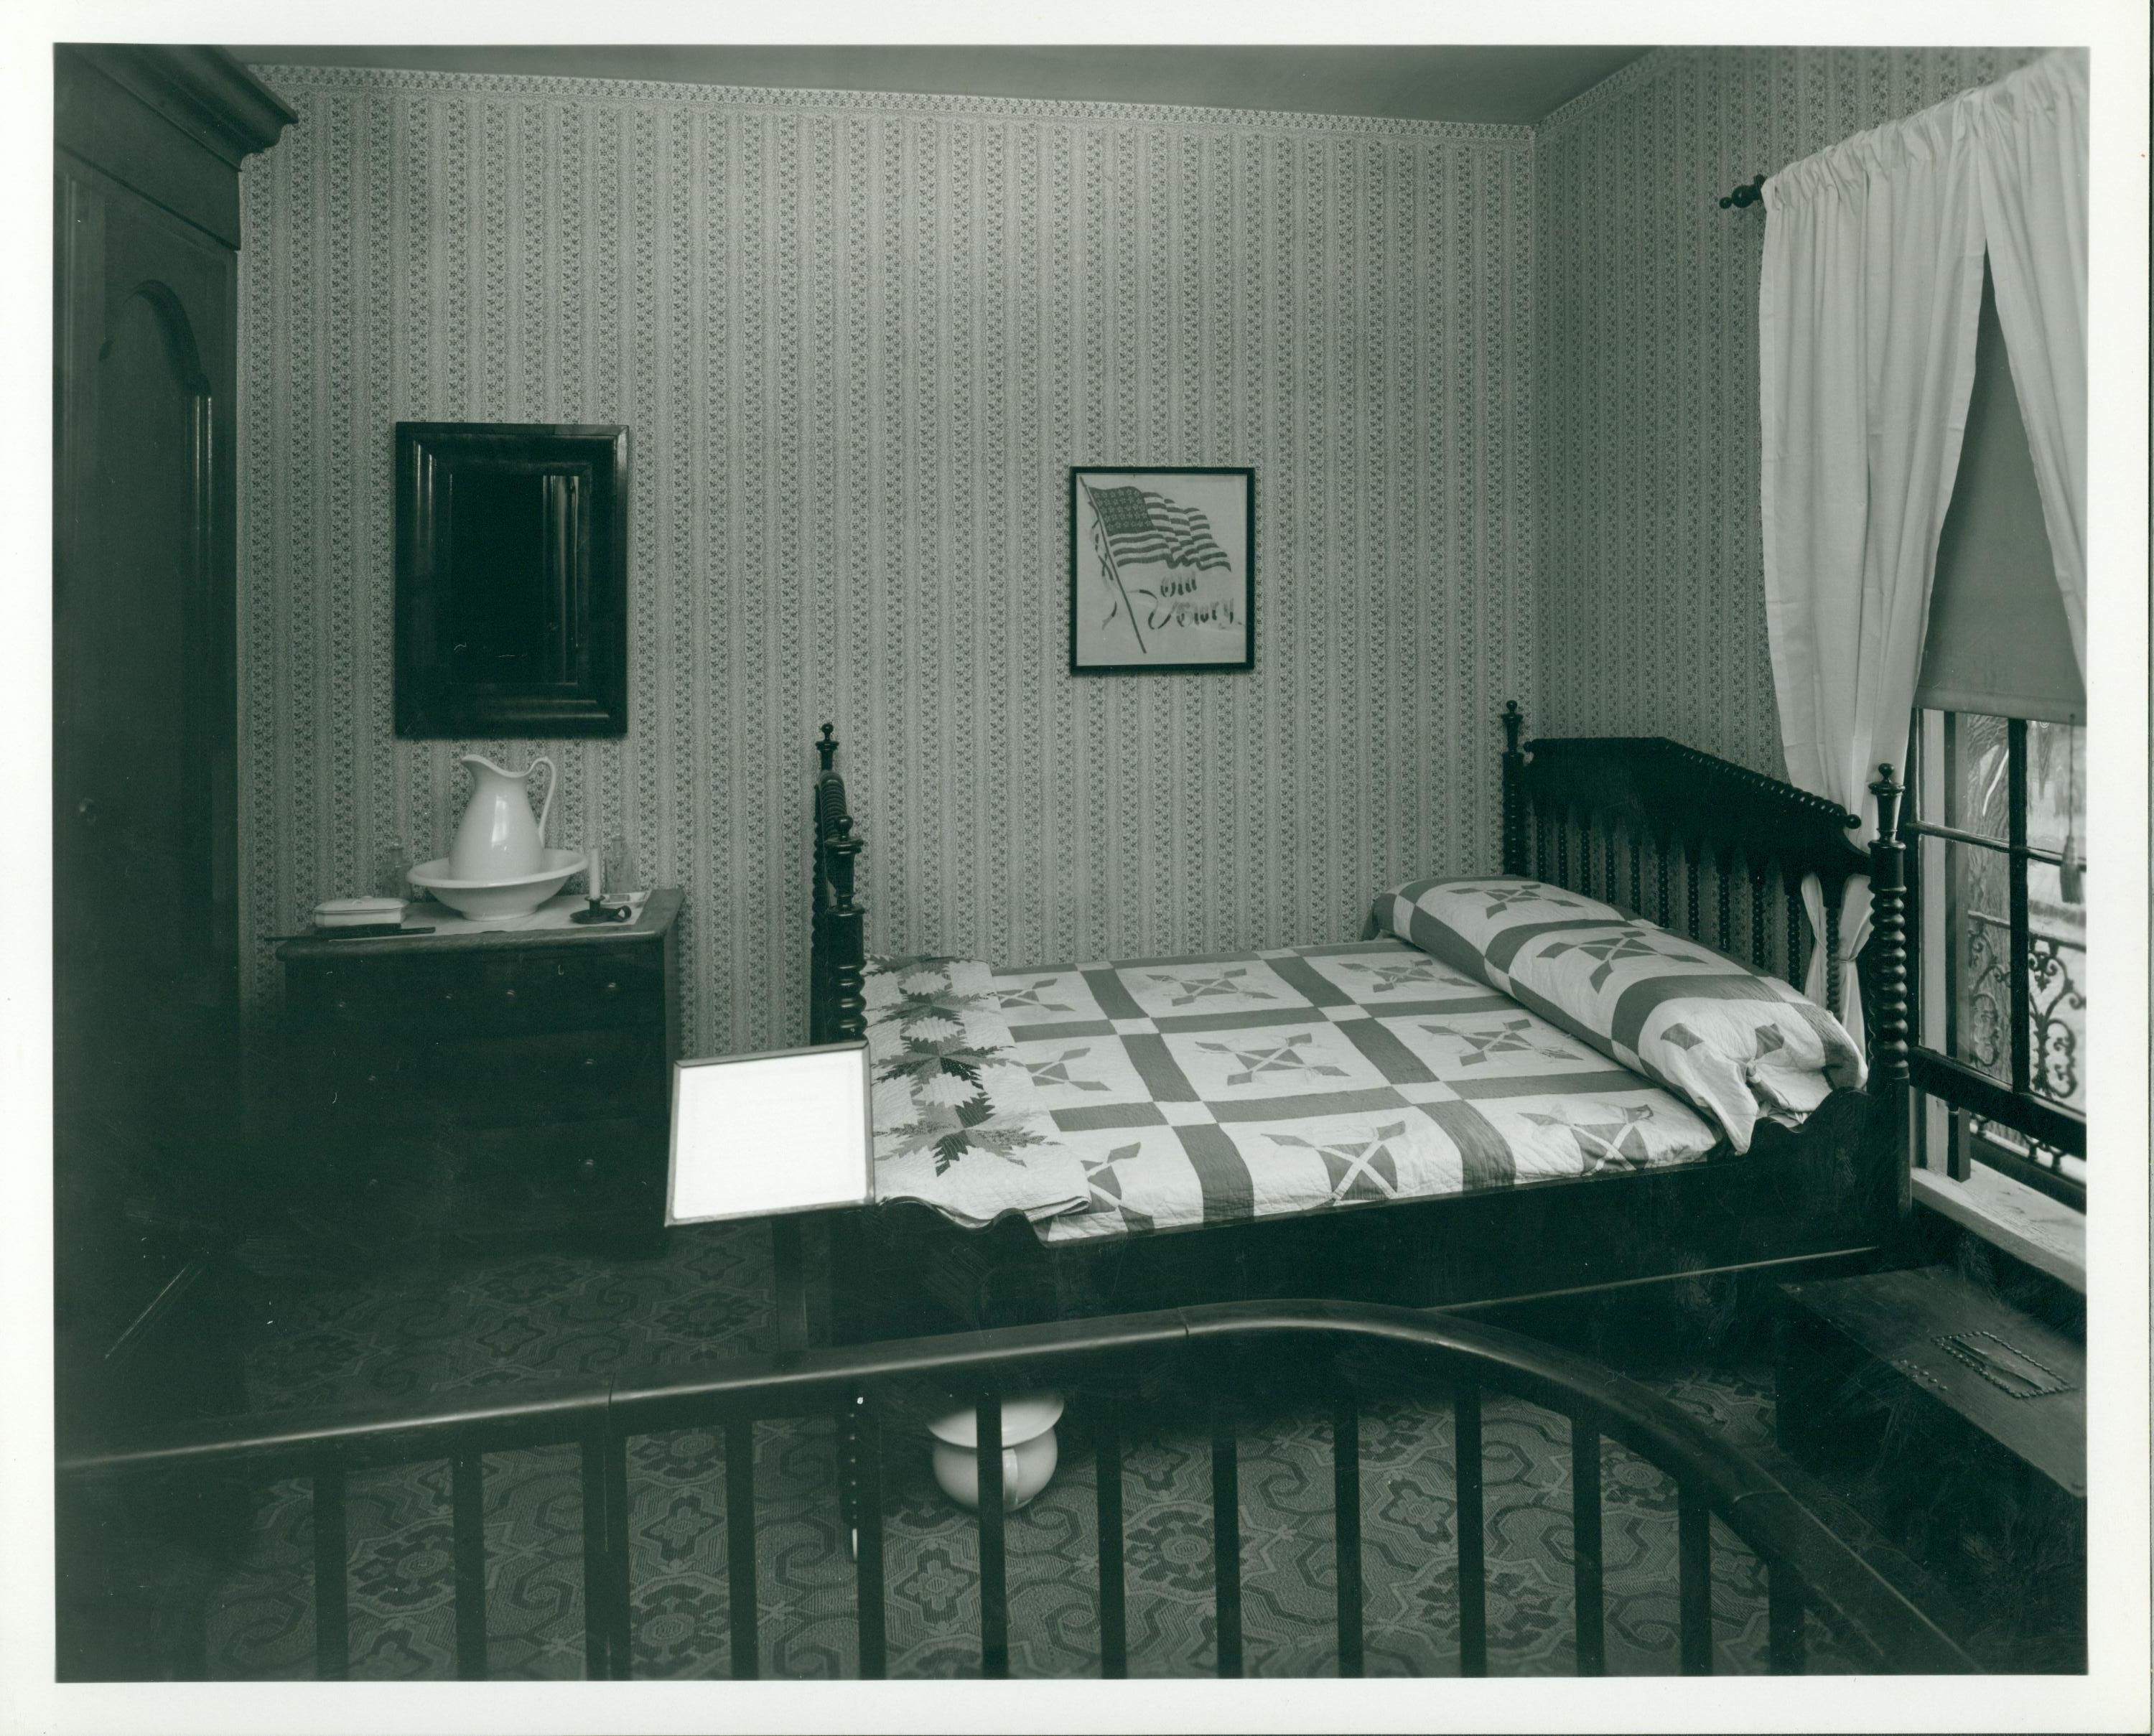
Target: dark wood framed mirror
column 512, row 579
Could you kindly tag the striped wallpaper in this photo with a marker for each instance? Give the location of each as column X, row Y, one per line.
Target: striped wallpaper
column 858, row 340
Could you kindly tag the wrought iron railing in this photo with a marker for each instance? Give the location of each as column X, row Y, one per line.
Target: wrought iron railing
column 2056, row 1014
column 1327, row 1351
column 2056, row 1004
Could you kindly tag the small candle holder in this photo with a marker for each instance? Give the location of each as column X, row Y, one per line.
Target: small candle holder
column 597, row 907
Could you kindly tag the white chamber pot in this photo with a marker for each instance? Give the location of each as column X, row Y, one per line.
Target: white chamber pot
column 1029, row 1451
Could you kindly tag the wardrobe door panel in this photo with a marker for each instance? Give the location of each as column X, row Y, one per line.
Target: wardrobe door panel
column 144, row 833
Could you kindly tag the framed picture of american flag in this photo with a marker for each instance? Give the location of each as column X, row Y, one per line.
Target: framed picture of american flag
column 1162, row 569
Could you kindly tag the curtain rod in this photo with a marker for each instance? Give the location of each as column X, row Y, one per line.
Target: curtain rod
column 1749, row 193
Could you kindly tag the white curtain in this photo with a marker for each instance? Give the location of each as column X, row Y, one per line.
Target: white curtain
column 1866, row 310
column 1871, row 284
column 2030, row 136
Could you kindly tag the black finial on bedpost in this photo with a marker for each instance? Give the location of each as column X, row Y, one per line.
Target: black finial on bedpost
column 1513, row 842
column 828, row 747
column 1888, row 929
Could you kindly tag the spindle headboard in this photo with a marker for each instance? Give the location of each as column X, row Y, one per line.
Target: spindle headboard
column 1696, row 843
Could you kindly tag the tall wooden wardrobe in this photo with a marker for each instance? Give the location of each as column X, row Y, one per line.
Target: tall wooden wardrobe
column 148, row 144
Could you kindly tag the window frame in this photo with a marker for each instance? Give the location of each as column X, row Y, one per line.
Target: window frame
column 1959, row 1104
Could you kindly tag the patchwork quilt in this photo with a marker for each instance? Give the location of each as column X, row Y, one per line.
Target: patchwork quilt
column 1741, row 1046
column 1193, row 1091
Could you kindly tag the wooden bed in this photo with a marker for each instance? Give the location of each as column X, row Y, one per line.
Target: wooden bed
column 1700, row 846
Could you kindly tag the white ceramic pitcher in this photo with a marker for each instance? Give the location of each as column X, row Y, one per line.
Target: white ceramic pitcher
column 496, row 838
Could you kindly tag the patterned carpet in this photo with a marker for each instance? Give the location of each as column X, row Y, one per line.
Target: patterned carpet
column 518, row 1321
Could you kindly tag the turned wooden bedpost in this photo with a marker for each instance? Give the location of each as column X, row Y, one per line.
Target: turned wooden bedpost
column 1888, row 953
column 847, row 927
column 818, row 954
column 1514, row 791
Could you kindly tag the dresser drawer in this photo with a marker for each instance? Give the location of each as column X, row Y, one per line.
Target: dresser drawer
column 506, row 992
column 611, row 1164
column 466, row 1081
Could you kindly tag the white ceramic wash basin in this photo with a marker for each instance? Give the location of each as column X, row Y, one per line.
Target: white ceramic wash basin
column 516, row 895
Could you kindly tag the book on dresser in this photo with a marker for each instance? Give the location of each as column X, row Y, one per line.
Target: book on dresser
column 461, row 1090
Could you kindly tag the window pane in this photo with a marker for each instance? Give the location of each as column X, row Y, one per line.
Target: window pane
column 2056, row 988
column 1977, row 789
column 1978, row 935
column 2056, row 788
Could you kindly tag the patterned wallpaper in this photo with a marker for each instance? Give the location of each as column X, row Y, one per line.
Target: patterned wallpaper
column 1651, row 581
column 858, row 340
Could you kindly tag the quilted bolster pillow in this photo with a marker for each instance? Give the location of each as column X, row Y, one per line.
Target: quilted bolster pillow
column 1740, row 1046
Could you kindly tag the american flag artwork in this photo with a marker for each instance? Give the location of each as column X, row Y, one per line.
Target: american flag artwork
column 1142, row 526
column 1160, row 572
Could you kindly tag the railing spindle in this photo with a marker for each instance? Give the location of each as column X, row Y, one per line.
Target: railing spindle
column 613, row 1457
column 598, row 1636
column 1585, row 1548
column 1758, row 920
column 1693, row 880
column 1608, row 884
column 995, row 1566
column 1660, row 881
column 332, row 1605
column 1637, row 871
column 603, row 1457
column 1114, row 1618
column 467, row 1538
column 1784, row 1620
column 1723, row 868
column 1472, row 1562
column 867, row 1510
column 1796, row 959
column 1563, row 849
column 1226, row 1548
column 740, row 1547
column 1346, row 1509
column 1694, row 1581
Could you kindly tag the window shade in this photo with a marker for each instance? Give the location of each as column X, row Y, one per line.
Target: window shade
column 1997, row 640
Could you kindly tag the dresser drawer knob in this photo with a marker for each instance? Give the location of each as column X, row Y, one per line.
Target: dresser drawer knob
column 587, row 1169
column 590, row 1060
column 509, row 994
column 613, row 988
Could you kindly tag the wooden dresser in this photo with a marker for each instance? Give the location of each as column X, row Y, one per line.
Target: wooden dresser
column 450, row 1090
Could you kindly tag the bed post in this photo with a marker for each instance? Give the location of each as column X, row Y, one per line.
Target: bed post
column 1514, row 791
column 821, row 798
column 847, row 928
column 1887, row 952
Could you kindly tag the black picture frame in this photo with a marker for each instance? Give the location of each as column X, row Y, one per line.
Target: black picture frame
column 512, row 579
column 1089, row 564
